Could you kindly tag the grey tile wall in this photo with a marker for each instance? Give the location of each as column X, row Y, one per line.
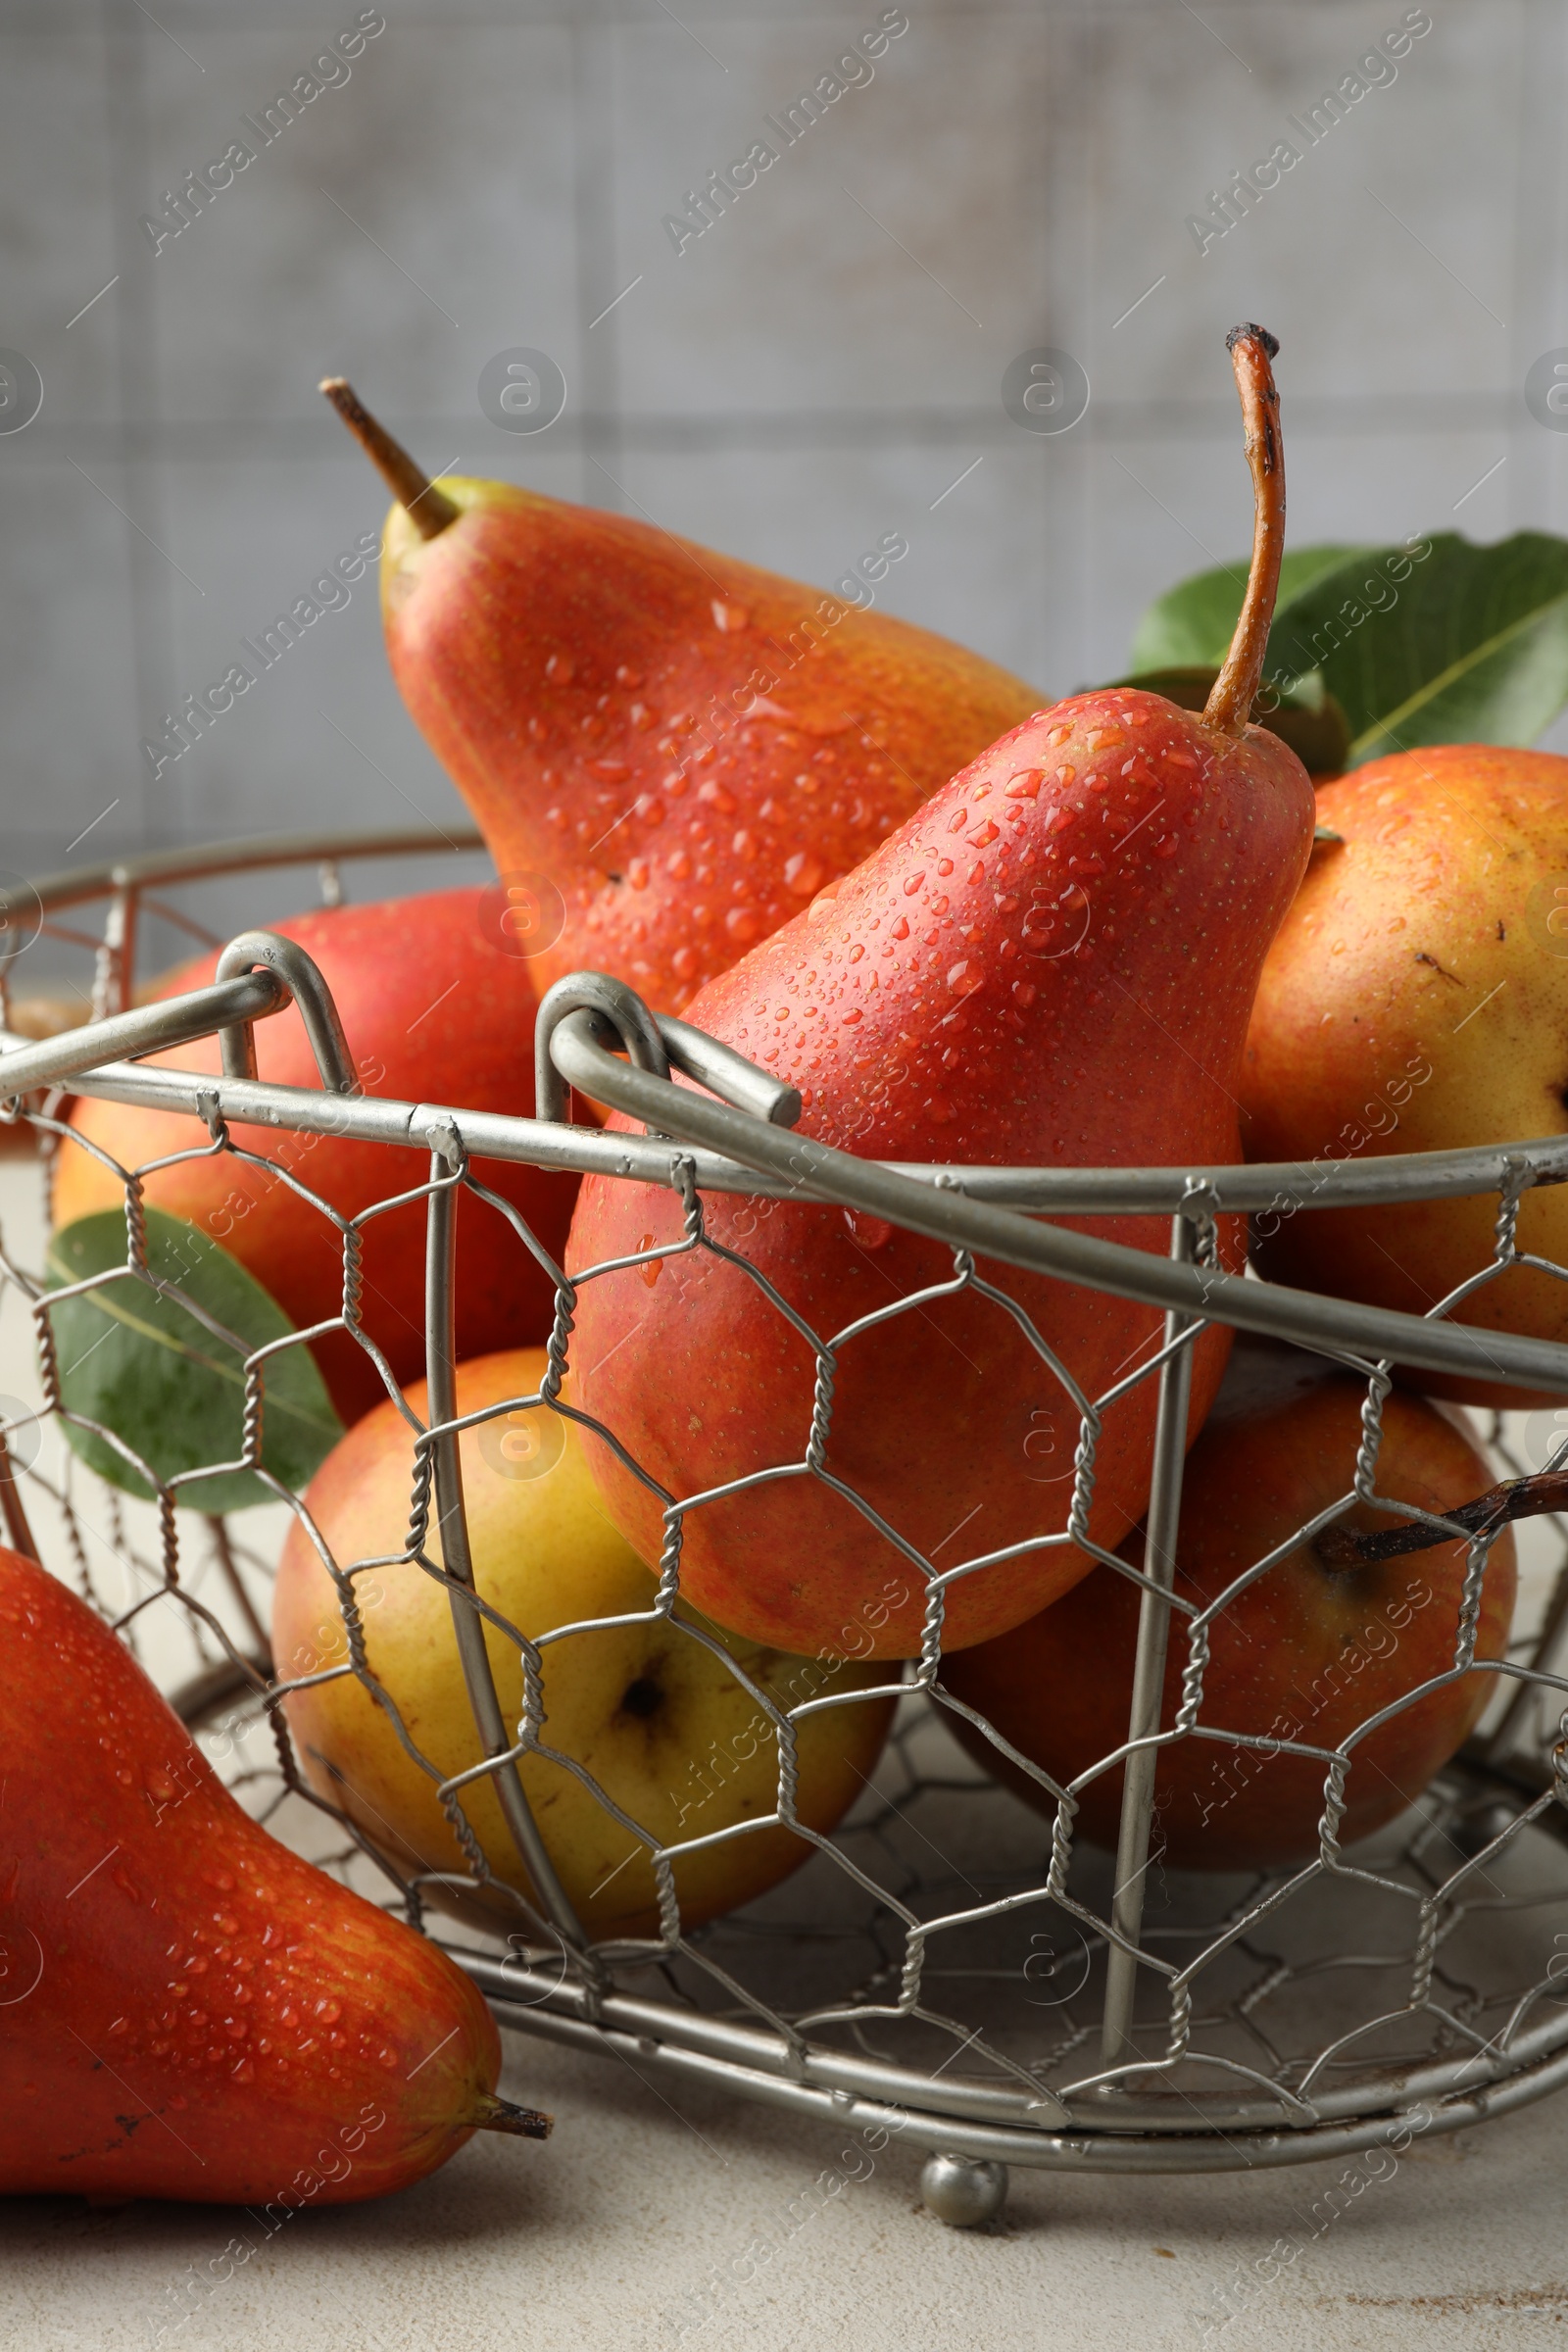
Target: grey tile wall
column 820, row 365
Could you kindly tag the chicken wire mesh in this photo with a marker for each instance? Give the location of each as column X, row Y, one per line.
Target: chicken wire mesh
column 939, row 1958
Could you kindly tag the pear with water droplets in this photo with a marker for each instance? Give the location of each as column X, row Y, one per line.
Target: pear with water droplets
column 668, row 752
column 186, row 2008
column 1416, row 999
column 1051, row 965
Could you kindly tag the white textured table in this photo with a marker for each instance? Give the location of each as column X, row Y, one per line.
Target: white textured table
column 620, row 2230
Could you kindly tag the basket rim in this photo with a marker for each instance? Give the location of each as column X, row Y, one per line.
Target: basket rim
column 699, row 1140
column 1389, row 1179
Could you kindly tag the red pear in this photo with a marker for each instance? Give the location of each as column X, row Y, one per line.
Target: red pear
column 186, row 2008
column 1051, row 964
column 679, row 749
column 435, row 1009
column 1306, row 1653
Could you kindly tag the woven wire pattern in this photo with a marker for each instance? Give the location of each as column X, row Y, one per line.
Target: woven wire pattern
column 939, row 1927
column 986, row 1972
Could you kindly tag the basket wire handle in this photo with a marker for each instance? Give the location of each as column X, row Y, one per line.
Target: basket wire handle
column 621, row 1018
column 303, row 978
column 27, row 1065
column 653, row 1042
column 728, row 1074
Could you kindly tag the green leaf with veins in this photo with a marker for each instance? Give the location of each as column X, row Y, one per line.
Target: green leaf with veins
column 1467, row 645
column 140, row 1361
column 1191, row 626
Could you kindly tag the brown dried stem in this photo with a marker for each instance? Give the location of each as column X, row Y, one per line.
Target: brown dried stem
column 13, row 1516
column 431, row 509
column 496, row 2114
column 1516, row 1498
column 1251, row 349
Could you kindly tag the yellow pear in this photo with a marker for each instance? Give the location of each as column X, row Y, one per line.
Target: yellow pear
column 1416, row 999
column 660, row 1721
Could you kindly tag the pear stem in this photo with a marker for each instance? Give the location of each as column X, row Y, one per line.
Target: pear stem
column 430, row 510
column 1516, row 1498
column 1251, row 348
column 18, row 1535
column 495, row 2114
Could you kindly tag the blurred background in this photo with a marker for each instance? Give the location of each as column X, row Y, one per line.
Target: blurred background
column 823, row 365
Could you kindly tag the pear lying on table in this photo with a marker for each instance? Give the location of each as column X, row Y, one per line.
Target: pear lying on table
column 186, row 2008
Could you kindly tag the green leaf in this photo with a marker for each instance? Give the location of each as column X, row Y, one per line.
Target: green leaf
column 1464, row 643
column 136, row 1361
column 1192, row 624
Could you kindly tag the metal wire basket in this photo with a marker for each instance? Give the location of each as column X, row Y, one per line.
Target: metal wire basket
column 947, row 1965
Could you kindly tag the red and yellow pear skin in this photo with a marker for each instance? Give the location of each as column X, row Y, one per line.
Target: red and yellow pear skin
column 1306, row 1653
column 435, row 1009
column 1416, row 999
column 642, row 1707
column 1051, row 966
column 188, row 2010
column 683, row 747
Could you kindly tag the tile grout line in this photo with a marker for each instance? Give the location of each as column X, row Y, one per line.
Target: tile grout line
column 142, row 473
column 599, row 424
